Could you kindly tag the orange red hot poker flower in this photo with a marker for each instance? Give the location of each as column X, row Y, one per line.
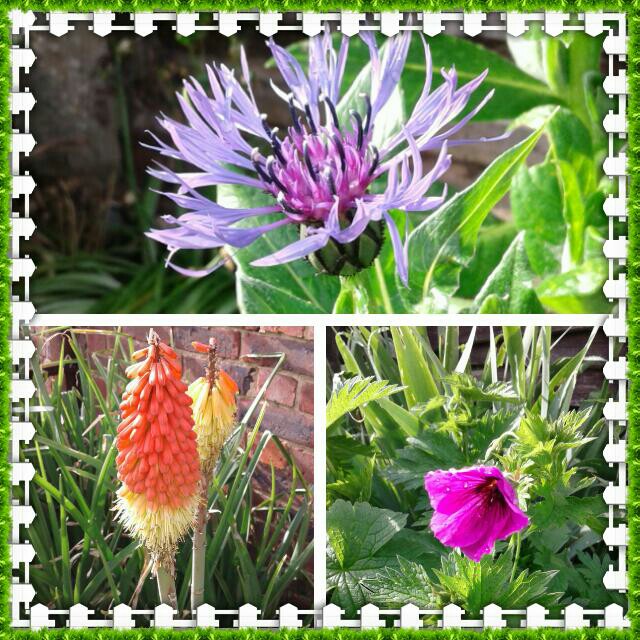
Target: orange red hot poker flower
column 157, row 461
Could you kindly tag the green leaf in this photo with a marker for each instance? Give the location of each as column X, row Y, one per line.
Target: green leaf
column 294, row 287
column 578, row 290
column 536, row 204
column 445, row 242
column 426, row 452
column 356, row 392
column 511, row 284
column 419, row 384
column 408, row 582
column 474, row 585
column 356, row 533
column 493, row 241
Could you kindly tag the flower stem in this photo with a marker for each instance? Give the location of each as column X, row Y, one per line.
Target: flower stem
column 516, row 556
column 165, row 574
column 199, row 549
column 388, row 307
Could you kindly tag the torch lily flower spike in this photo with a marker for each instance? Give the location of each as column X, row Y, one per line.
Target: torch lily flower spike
column 319, row 173
column 214, row 409
column 157, row 460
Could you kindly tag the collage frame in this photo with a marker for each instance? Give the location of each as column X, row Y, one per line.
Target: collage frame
column 19, row 187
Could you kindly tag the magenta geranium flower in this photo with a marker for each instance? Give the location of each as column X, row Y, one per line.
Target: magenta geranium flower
column 473, row 508
column 319, row 171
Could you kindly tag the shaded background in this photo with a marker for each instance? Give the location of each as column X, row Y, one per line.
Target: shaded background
column 96, row 99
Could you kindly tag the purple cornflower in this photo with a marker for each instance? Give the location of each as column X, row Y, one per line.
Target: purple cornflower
column 320, row 170
column 473, row 508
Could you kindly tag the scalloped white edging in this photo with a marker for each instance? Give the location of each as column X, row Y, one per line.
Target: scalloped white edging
column 349, row 23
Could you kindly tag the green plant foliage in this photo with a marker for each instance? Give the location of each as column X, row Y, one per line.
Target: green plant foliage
column 354, row 393
column 258, row 547
column 477, row 584
column 513, row 407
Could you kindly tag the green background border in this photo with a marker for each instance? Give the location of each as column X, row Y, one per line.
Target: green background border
column 632, row 10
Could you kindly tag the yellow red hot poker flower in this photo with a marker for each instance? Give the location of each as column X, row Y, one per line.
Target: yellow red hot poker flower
column 214, row 408
column 157, row 460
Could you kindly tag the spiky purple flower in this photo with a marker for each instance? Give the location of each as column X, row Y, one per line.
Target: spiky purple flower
column 473, row 508
column 320, row 171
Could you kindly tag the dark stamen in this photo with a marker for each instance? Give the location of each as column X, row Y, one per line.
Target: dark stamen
column 272, row 173
column 358, row 118
column 258, row 167
column 312, row 124
column 294, row 115
column 376, row 160
column 332, row 109
column 367, row 120
column 338, row 144
column 329, row 178
column 277, row 145
column 307, row 161
column 265, row 126
column 281, row 201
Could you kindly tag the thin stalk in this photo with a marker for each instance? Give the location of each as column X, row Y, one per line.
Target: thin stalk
column 165, row 574
column 516, row 556
column 199, row 547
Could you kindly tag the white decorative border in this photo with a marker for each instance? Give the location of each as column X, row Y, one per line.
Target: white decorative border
column 23, row 312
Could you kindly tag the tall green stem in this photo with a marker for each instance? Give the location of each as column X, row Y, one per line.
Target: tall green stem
column 516, row 556
column 199, row 548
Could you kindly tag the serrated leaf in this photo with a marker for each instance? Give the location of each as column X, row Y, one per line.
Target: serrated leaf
column 355, row 393
column 408, row 582
column 474, row 585
column 355, row 534
column 426, row 452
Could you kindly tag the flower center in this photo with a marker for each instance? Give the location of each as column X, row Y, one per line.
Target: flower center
column 316, row 163
column 491, row 492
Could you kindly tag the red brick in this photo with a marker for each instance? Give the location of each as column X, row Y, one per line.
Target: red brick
column 281, row 390
column 305, row 397
column 284, row 422
column 294, row 332
column 271, row 455
column 304, row 460
column 299, row 354
column 228, row 340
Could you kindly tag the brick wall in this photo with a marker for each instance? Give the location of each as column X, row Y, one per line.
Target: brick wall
column 289, row 414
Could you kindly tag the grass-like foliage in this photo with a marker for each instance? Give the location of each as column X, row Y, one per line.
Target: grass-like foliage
column 505, row 400
column 258, row 545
